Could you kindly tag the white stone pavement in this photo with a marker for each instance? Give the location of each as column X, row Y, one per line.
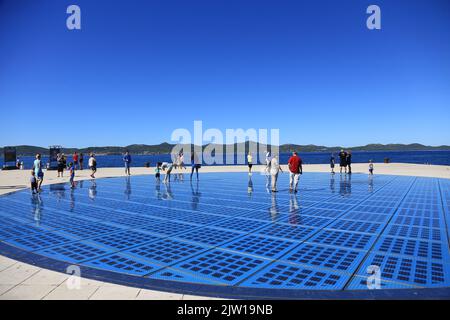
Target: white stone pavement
column 21, row 281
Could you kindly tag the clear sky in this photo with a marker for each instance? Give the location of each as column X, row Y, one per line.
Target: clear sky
column 140, row 69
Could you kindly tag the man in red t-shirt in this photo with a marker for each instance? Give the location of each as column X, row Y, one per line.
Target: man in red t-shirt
column 75, row 160
column 295, row 170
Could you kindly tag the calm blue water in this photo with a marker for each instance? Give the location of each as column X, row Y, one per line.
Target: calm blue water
column 419, row 157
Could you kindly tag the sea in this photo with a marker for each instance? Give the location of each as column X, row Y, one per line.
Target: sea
column 418, row 157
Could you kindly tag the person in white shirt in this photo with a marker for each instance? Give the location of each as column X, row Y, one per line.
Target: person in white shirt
column 93, row 165
column 180, row 165
column 169, row 167
column 274, row 170
column 268, row 159
column 250, row 162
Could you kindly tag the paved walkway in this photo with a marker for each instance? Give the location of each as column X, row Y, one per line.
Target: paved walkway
column 26, row 282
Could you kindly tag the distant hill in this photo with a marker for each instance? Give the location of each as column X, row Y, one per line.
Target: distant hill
column 165, row 148
column 368, row 147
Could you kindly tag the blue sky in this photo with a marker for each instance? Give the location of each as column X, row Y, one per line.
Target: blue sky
column 140, row 69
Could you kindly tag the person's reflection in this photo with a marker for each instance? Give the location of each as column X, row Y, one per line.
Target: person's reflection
column 128, row 188
column 273, row 210
column 268, row 190
column 195, row 196
column 370, row 183
column 342, row 185
column 37, row 206
column 332, row 186
column 80, row 184
column 60, row 194
column 168, row 195
column 294, row 209
column 348, row 185
column 158, row 190
column 93, row 190
column 250, row 186
column 72, row 199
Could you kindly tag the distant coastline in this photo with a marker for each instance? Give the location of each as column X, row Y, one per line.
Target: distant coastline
column 166, row 148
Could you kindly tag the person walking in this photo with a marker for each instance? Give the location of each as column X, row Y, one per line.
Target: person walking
column 37, row 167
column 349, row 161
column 343, row 160
column 332, row 163
column 195, row 162
column 296, row 169
column 127, row 162
column 268, row 158
column 92, row 165
column 250, row 163
column 75, row 160
column 81, row 160
column 274, row 170
column 370, row 168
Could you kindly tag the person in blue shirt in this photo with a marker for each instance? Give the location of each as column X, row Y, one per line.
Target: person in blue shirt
column 127, row 162
column 332, row 163
column 72, row 175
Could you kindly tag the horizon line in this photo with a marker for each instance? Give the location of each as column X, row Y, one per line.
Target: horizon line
column 248, row 141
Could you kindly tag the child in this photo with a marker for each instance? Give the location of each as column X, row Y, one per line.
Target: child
column 169, row 167
column 332, row 163
column 371, row 167
column 33, row 182
column 72, row 174
column 158, row 171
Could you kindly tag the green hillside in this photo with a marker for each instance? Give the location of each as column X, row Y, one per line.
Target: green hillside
column 164, row 148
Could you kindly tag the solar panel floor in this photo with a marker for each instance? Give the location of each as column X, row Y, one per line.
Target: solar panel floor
column 228, row 235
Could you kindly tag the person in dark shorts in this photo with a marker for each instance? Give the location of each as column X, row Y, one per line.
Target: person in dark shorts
column 158, row 172
column 60, row 160
column 343, row 160
column 93, row 165
column 33, row 182
column 81, row 160
column 195, row 163
column 349, row 161
column 250, row 162
column 64, row 160
column 332, row 163
column 370, row 167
